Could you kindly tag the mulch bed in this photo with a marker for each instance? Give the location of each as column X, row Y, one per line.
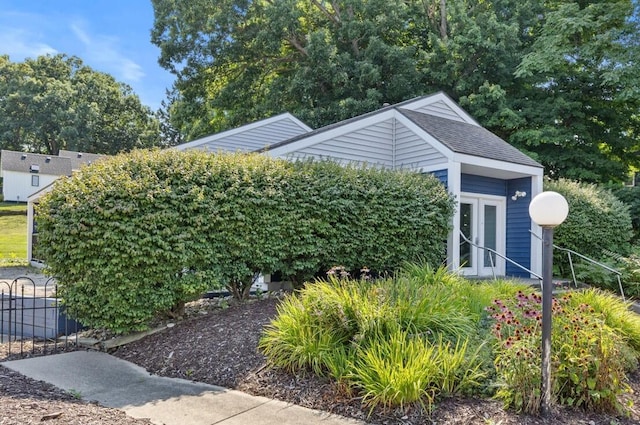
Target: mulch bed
column 219, row 346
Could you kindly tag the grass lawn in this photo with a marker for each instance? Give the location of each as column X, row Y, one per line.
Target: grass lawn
column 13, row 231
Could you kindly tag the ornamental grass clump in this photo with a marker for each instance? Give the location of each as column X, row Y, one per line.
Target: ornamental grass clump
column 394, row 342
column 587, row 355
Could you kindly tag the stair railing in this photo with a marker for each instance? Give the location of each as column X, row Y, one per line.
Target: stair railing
column 571, row 252
column 504, row 257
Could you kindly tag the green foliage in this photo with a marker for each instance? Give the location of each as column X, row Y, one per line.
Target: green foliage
column 357, row 332
column 139, row 234
column 630, row 195
column 357, row 217
column 579, row 83
column 56, row 102
column 587, row 356
column 400, row 368
column 393, row 341
column 597, row 224
column 629, row 266
column 616, row 314
column 573, row 104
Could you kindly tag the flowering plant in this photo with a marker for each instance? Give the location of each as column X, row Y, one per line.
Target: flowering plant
column 586, row 362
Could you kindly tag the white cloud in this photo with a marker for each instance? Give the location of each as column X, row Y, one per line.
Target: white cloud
column 20, row 44
column 103, row 50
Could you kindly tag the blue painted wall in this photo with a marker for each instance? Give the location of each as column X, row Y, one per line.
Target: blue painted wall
column 518, row 226
column 518, row 238
column 443, row 176
column 484, row 185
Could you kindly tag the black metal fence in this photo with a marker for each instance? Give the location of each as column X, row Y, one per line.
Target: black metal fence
column 33, row 320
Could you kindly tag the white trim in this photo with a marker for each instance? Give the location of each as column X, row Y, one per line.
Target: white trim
column 520, row 170
column 478, row 202
column 536, row 245
column 454, row 184
column 242, row 129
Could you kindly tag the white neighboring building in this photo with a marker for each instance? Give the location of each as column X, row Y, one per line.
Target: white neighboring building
column 24, row 174
column 27, row 176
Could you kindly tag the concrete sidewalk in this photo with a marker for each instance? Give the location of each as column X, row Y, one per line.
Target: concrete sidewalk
column 116, row 383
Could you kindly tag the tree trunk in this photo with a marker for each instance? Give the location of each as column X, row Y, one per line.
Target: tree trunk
column 443, row 19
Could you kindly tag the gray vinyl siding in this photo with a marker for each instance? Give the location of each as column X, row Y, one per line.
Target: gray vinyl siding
column 372, row 145
column 412, row 152
column 440, row 109
column 256, row 138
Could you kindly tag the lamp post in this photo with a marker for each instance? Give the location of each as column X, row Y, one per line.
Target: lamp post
column 548, row 210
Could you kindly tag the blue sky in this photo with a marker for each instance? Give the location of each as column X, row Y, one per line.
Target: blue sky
column 111, row 36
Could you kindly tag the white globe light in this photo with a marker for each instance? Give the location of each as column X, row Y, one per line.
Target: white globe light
column 548, row 209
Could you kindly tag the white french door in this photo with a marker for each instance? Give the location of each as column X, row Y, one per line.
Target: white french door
column 482, row 221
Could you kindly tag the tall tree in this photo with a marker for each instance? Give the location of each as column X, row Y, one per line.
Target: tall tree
column 323, row 61
column 582, row 87
column 55, row 102
column 554, row 77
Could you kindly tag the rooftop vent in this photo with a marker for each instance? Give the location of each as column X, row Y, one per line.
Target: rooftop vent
column 23, row 157
column 79, row 154
column 48, row 159
column 34, row 168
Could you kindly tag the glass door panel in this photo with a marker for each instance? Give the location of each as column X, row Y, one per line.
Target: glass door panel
column 490, row 234
column 482, row 221
column 466, row 227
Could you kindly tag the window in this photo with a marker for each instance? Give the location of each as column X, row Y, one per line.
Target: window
column 35, row 180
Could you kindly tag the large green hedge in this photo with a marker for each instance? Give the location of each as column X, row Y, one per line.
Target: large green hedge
column 630, row 195
column 598, row 223
column 137, row 234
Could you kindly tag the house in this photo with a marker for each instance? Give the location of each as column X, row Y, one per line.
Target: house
column 492, row 181
column 78, row 159
column 69, row 161
column 26, row 173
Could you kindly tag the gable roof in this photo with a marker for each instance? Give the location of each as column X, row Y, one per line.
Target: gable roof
column 22, row 162
column 468, row 139
column 78, row 159
column 448, row 124
column 250, row 137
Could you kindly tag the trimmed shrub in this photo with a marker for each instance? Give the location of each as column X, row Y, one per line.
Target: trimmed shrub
column 598, row 223
column 361, row 217
column 140, row 234
column 630, row 195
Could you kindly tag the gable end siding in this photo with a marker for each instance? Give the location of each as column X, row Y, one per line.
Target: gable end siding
column 256, row 138
column 372, row 145
column 518, row 226
column 440, row 109
column 412, row 152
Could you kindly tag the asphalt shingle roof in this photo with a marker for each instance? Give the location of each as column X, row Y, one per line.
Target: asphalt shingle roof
column 468, row 139
column 23, row 163
column 79, row 159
